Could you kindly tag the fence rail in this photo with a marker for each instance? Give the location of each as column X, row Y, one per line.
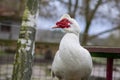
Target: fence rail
column 110, row 54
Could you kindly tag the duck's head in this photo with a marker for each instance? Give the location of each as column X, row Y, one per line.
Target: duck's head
column 68, row 24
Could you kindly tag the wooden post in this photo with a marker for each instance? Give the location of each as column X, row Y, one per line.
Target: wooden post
column 109, row 69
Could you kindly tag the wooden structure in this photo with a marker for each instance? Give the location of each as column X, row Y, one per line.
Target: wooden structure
column 109, row 53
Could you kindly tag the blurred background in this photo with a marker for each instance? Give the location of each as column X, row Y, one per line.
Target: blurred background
column 99, row 22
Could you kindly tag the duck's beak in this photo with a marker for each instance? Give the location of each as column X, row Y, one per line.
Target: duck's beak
column 55, row 26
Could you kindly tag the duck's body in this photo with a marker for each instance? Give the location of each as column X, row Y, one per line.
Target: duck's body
column 72, row 61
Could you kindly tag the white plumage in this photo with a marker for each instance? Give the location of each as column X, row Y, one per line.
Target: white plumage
column 72, row 61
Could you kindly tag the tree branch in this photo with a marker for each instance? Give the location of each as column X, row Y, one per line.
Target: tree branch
column 96, row 8
column 103, row 32
column 69, row 6
column 75, row 8
column 86, row 9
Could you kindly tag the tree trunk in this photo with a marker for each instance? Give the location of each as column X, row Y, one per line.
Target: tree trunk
column 22, row 69
column 89, row 15
column 85, row 35
column 24, row 56
column 88, row 22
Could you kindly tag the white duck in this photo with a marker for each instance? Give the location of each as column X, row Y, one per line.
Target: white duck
column 72, row 61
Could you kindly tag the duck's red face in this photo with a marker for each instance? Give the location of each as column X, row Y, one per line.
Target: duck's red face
column 64, row 23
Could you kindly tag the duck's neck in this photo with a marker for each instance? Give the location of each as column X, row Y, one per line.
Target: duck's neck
column 70, row 38
column 75, row 35
column 69, row 42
